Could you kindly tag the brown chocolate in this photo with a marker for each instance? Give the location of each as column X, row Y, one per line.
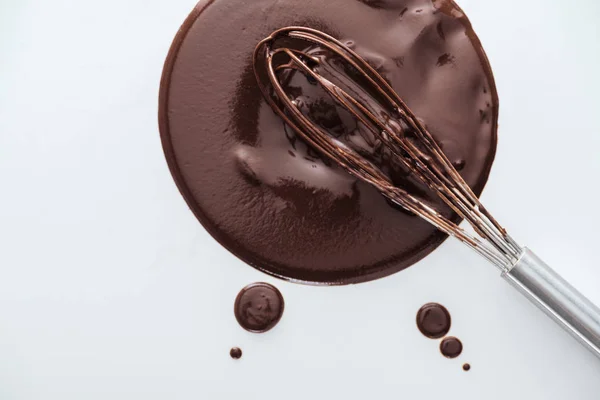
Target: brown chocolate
column 267, row 197
column 259, row 307
column 466, row 367
column 451, row 347
column 235, row 353
column 433, row 320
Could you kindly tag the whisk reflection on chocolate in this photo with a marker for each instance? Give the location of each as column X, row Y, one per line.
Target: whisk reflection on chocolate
column 387, row 122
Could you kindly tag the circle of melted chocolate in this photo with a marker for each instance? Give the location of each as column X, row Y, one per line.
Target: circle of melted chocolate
column 274, row 202
column 235, row 353
column 451, row 347
column 466, row 367
column 259, row 307
column 433, row 320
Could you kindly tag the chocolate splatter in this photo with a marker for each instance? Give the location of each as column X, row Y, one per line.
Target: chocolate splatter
column 433, row 320
column 235, row 353
column 451, row 347
column 445, row 59
column 259, row 307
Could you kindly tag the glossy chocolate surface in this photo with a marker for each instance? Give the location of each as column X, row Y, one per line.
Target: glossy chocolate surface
column 259, row 307
column 451, row 347
column 260, row 191
column 433, row 320
column 235, row 353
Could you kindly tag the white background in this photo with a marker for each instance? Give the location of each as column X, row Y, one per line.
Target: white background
column 110, row 288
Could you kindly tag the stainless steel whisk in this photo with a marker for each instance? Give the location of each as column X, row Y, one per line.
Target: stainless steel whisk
column 395, row 126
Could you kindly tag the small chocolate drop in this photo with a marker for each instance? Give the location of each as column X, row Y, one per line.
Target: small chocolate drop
column 451, row 347
column 445, row 59
column 259, row 307
column 466, row 367
column 433, row 320
column 235, row 353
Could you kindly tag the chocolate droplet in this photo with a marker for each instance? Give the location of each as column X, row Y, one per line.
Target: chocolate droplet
column 235, row 353
column 466, row 367
column 259, row 307
column 433, row 320
column 451, row 347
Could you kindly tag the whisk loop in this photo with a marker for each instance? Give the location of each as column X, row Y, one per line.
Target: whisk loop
column 395, row 126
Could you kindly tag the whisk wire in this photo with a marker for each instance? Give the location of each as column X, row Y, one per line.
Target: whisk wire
column 426, row 160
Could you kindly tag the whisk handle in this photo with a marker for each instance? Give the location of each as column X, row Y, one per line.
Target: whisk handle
column 557, row 298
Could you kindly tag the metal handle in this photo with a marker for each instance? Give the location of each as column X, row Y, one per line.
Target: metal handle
column 557, row 298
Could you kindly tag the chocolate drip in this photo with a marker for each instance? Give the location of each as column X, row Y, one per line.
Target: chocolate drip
column 235, row 353
column 433, row 320
column 259, row 307
column 451, row 347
